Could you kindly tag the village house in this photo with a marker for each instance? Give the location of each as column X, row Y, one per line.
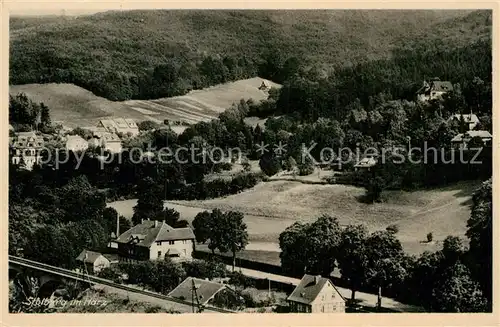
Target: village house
column 25, row 149
column 470, row 120
column 109, row 141
column 366, row 164
column 76, row 143
column 461, row 141
column 198, row 290
column 156, row 240
column 119, row 125
column 316, row 294
column 92, row 262
column 433, row 90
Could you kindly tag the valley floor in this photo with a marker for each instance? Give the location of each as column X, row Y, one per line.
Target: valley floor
column 270, row 207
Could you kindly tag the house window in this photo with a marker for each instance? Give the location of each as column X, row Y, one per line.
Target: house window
column 322, row 308
column 158, row 243
column 185, row 253
column 159, row 254
column 171, row 242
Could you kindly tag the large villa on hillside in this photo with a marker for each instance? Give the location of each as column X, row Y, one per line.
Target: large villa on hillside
column 433, row 90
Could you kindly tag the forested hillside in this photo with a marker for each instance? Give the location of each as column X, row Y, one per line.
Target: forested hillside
column 151, row 54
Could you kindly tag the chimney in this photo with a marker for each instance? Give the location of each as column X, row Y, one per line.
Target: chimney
column 316, row 279
column 156, row 223
column 142, row 221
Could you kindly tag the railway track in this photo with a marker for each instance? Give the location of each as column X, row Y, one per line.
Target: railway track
column 96, row 280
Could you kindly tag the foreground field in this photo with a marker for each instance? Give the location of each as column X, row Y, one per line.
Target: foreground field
column 74, row 106
column 272, row 206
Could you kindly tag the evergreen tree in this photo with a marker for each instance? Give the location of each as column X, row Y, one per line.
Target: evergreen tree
column 149, row 203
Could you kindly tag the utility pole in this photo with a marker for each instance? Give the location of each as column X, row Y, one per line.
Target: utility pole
column 194, row 294
column 193, row 290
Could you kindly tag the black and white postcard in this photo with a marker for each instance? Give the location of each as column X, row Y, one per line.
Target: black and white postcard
column 232, row 161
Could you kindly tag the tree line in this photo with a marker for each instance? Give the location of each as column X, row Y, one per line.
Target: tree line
column 454, row 279
column 26, row 115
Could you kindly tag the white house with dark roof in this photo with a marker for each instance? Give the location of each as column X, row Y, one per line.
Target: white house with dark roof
column 156, row 240
column 366, row 163
column 92, row 261
column 109, row 141
column 471, row 120
column 433, row 90
column 25, row 149
column 316, row 294
column 76, row 143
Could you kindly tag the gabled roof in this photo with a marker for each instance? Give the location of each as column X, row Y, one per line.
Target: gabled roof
column 168, row 233
column 109, row 124
column 470, row 134
column 483, row 134
column 131, row 123
column 441, row 86
column 309, row 288
column 205, row 290
column 145, row 233
column 27, row 140
column 26, row 134
column 89, row 256
column 120, row 123
column 366, row 162
column 468, row 118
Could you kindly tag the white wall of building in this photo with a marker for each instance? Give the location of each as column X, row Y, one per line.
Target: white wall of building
column 328, row 300
column 77, row 145
column 185, row 247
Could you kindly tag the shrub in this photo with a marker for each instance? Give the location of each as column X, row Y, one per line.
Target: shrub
column 204, row 269
column 153, row 309
column 246, row 166
column 225, row 166
column 374, row 189
column 111, row 274
column 148, row 125
column 270, row 164
column 306, row 167
column 249, row 300
column 238, row 279
column 228, row 299
column 394, row 229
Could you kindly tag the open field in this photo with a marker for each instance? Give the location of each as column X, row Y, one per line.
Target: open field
column 75, row 106
column 270, row 207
